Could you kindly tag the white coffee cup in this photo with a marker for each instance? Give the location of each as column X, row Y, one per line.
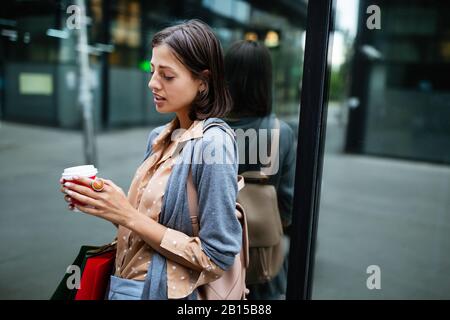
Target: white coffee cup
column 89, row 171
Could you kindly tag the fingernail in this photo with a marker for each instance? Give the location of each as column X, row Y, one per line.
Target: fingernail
column 67, row 184
column 75, row 177
column 68, row 191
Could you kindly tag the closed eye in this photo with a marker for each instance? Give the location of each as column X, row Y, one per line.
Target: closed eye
column 167, row 78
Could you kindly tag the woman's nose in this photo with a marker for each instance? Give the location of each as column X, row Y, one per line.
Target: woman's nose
column 153, row 83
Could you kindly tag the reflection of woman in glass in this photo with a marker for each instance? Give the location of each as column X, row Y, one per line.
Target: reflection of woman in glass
column 249, row 75
column 157, row 255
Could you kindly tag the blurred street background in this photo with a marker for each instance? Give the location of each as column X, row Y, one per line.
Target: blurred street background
column 66, row 100
column 40, row 237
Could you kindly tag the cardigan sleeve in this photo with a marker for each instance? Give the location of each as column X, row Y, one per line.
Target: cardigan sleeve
column 285, row 190
column 215, row 178
column 220, row 234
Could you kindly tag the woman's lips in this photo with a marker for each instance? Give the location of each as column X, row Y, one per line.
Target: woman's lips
column 158, row 99
column 158, row 103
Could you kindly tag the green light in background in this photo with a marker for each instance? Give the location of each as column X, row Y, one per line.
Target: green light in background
column 145, row 66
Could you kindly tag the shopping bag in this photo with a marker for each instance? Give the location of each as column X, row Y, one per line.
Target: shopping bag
column 95, row 264
column 95, row 277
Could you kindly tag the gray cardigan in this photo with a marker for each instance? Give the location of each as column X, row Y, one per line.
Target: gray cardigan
column 216, row 183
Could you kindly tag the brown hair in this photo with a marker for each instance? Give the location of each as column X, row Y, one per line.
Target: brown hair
column 249, row 78
column 195, row 45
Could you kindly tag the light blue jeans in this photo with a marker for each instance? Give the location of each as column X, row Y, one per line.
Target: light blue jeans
column 124, row 289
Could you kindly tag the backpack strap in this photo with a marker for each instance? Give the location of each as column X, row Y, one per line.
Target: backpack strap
column 219, row 124
column 192, row 203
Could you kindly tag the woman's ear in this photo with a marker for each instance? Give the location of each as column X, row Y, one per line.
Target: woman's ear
column 205, row 76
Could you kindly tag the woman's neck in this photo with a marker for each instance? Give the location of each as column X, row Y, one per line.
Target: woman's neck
column 184, row 121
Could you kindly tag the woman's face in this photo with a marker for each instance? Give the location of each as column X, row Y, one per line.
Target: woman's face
column 172, row 84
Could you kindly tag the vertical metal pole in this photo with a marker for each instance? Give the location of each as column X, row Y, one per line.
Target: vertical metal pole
column 85, row 93
column 311, row 141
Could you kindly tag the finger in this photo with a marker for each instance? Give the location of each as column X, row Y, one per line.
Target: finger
column 61, row 181
column 85, row 181
column 63, row 189
column 88, row 210
column 67, row 198
column 82, row 198
column 87, row 191
column 112, row 184
column 71, row 207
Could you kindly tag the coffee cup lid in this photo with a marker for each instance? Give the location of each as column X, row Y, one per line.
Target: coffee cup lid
column 86, row 170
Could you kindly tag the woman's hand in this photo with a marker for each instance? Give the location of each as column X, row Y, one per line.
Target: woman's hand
column 110, row 204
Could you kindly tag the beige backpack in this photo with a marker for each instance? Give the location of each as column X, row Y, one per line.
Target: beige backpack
column 265, row 229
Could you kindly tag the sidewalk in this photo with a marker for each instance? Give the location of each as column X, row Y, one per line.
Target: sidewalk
column 39, row 237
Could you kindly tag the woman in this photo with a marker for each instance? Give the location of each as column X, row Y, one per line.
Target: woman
column 157, row 256
column 249, row 75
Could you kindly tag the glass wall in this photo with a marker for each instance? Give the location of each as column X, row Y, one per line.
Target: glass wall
column 40, row 75
column 119, row 34
column 385, row 212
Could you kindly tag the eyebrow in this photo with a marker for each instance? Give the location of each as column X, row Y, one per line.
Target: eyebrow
column 163, row 67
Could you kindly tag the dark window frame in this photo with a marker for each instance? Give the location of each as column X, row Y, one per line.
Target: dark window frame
column 310, row 150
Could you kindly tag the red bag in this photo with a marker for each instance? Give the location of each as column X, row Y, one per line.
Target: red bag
column 96, row 275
